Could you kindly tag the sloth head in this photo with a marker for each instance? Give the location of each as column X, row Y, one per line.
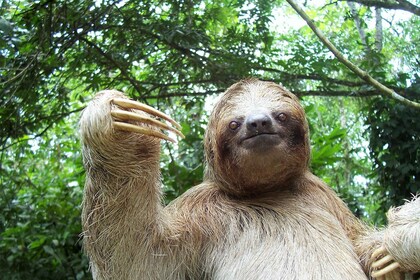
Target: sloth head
column 257, row 139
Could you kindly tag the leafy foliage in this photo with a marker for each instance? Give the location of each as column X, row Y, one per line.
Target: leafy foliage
column 395, row 147
column 176, row 55
column 339, row 150
column 184, row 167
column 41, row 182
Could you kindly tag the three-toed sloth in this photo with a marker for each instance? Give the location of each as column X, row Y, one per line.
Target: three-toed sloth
column 259, row 213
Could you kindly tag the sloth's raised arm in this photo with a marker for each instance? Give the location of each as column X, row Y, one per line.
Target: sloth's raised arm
column 401, row 241
column 122, row 218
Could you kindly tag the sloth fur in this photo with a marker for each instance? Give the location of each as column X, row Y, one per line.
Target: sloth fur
column 258, row 214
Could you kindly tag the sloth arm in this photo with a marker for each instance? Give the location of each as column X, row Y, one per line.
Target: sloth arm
column 382, row 253
column 402, row 236
column 400, row 243
column 126, row 234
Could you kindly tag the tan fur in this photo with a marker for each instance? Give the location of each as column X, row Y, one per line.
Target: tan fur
column 402, row 237
column 242, row 97
column 251, row 218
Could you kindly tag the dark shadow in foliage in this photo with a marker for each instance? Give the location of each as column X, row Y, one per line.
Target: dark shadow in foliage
column 395, row 148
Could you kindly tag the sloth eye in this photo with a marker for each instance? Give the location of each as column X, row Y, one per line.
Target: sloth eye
column 282, row 117
column 233, row 125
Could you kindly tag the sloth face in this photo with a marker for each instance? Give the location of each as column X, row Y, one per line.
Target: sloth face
column 262, row 129
column 260, row 138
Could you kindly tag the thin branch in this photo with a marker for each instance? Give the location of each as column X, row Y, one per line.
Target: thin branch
column 336, row 93
column 314, row 77
column 55, row 119
column 399, row 5
column 391, row 26
column 378, row 30
column 124, row 72
column 357, row 21
column 359, row 72
column 409, row 7
column 346, row 93
column 22, row 71
column 183, row 94
column 169, row 84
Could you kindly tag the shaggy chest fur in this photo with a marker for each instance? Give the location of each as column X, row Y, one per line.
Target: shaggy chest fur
column 250, row 219
column 299, row 247
column 302, row 240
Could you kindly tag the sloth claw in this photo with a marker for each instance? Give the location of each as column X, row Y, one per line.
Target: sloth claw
column 131, row 104
column 383, row 264
column 121, row 118
column 137, row 129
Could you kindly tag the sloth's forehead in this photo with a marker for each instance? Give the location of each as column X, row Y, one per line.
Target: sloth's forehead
column 264, row 99
column 246, row 98
column 251, row 102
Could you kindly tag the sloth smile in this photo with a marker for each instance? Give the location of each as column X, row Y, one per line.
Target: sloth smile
column 261, row 140
column 265, row 134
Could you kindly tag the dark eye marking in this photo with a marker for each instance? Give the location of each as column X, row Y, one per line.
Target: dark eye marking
column 282, row 117
column 234, row 125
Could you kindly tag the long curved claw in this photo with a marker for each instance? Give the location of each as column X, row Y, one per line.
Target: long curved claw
column 134, row 128
column 121, row 119
column 385, row 270
column 130, row 104
column 383, row 264
column 127, row 116
column 380, row 251
column 383, row 261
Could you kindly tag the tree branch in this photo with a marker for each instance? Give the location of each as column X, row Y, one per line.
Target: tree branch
column 335, row 93
column 359, row 72
column 378, row 30
column 183, row 94
column 124, row 72
column 313, row 77
column 391, row 5
column 359, row 27
column 54, row 119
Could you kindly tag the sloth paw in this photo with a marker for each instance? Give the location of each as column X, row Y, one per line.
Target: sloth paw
column 122, row 119
column 383, row 263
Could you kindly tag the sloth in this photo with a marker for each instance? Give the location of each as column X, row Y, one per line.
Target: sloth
column 258, row 214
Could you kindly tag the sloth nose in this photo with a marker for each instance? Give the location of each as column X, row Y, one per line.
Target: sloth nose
column 258, row 123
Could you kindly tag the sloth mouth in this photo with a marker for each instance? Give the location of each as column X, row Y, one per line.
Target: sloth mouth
column 260, row 134
column 261, row 140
